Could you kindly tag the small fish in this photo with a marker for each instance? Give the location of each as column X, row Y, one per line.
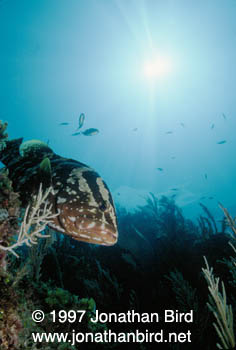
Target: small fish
column 76, row 133
column 160, row 169
column 210, row 197
column 90, row 132
column 64, row 123
column 224, row 116
column 118, row 193
column 81, row 121
column 173, row 157
column 212, row 126
column 221, row 142
column 135, row 129
column 174, row 189
column 169, row 132
column 205, row 175
column 182, row 124
column 139, row 233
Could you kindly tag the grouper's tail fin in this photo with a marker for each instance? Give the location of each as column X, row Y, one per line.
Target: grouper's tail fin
column 10, row 151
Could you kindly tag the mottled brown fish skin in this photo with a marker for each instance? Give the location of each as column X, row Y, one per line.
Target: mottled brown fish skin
column 80, row 196
column 85, row 206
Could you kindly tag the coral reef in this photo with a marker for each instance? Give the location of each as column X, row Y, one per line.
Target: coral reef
column 3, row 135
column 155, row 266
column 218, row 301
column 9, row 210
column 222, row 312
column 37, row 215
column 10, row 324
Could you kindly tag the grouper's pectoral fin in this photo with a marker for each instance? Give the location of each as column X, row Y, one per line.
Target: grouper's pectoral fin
column 45, row 173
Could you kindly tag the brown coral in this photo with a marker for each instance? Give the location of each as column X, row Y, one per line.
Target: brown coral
column 10, row 324
column 9, row 209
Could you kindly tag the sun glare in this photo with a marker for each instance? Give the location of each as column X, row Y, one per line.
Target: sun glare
column 158, row 67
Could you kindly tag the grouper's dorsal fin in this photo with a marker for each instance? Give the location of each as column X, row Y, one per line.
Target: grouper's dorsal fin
column 11, row 151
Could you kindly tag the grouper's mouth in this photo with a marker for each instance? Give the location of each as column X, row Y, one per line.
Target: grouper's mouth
column 86, row 229
column 96, row 230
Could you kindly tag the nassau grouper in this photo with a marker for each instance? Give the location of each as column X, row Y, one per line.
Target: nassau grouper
column 80, row 196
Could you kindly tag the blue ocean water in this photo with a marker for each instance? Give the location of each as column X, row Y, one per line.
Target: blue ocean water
column 59, row 59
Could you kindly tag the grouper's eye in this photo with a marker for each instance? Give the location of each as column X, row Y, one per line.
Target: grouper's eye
column 103, row 206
